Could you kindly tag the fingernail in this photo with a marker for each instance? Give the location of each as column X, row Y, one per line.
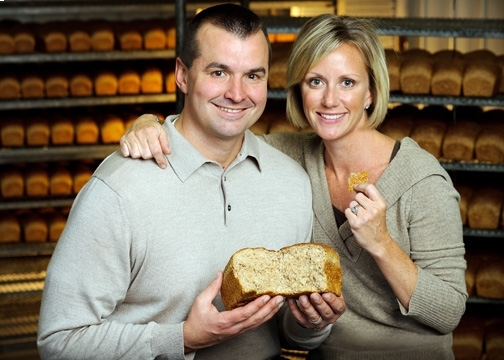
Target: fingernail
column 303, row 300
column 280, row 302
column 326, row 296
column 266, row 299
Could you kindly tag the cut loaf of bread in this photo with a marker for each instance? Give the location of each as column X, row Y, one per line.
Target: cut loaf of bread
column 291, row 271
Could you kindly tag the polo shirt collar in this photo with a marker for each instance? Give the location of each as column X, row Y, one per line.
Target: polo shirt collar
column 185, row 159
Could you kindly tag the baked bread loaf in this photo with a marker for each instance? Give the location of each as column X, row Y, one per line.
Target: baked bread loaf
column 10, row 87
column 489, row 146
column 429, row 134
column 54, row 39
column 81, row 175
column 111, row 129
column 152, row 81
column 154, row 35
column 129, row 82
column 460, row 140
column 86, row 130
column 490, row 278
column 81, row 85
column 170, row 84
column 399, row 121
column 79, row 39
column 12, row 183
column 37, row 182
column 416, row 72
column 102, row 35
column 10, row 228
column 6, row 37
column 32, row 86
column 24, row 40
column 129, row 36
column 447, row 77
column 171, row 38
column 62, row 131
column 37, row 132
column 56, row 86
column 60, row 182
column 56, row 223
column 484, row 208
column 34, row 228
column 106, row 84
column 494, row 340
column 468, row 338
column 393, row 60
column 12, row 132
column 480, row 79
column 291, row 271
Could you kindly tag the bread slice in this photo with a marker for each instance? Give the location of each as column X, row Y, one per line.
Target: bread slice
column 291, row 271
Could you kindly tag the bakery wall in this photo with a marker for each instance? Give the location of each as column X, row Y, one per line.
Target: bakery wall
column 65, row 100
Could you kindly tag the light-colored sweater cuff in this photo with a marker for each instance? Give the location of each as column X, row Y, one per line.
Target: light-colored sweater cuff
column 300, row 337
column 168, row 342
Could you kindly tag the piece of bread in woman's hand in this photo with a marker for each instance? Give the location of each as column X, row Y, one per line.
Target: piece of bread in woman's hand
column 291, row 271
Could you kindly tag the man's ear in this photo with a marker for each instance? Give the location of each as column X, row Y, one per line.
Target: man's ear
column 181, row 75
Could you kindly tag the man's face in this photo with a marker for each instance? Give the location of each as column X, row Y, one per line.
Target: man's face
column 226, row 87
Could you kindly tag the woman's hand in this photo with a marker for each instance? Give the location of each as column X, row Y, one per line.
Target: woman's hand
column 146, row 139
column 317, row 310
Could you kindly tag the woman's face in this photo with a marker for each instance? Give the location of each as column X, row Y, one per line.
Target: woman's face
column 335, row 92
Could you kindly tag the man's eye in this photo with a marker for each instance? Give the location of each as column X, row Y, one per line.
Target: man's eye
column 218, row 73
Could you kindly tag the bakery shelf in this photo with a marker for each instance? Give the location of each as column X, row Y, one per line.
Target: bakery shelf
column 34, row 203
column 86, row 101
column 472, row 166
column 55, row 153
column 22, row 249
column 87, row 56
column 489, row 233
column 480, row 300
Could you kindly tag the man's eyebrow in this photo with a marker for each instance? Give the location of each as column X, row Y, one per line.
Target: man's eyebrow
column 215, row 65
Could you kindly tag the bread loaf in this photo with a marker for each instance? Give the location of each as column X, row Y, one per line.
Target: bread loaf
column 129, row 82
column 62, row 131
column 129, row 36
column 60, row 182
column 484, row 208
column 468, row 338
column 154, row 35
column 37, row 132
column 393, row 60
column 32, row 86
column 24, row 40
column 170, row 84
column 111, row 129
column 37, row 182
column 460, row 140
column 12, row 183
column 291, row 271
column 447, row 77
column 86, row 130
column 56, row 86
column 494, row 340
column 79, row 39
column 399, row 121
column 10, row 87
column 81, row 85
column 106, row 84
column 152, row 81
column 429, row 134
column 56, row 224
column 81, row 175
column 171, row 38
column 480, row 79
column 416, row 72
column 54, row 39
column 102, row 35
column 490, row 278
column 489, row 146
column 6, row 37
column 12, row 132
column 34, row 228
column 10, row 228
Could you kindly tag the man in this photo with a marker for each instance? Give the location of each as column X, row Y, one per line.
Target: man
column 129, row 276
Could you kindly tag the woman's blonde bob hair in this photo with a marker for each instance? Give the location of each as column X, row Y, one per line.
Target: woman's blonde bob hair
column 320, row 36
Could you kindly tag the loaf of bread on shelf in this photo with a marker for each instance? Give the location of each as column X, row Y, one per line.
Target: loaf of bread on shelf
column 10, row 228
column 10, row 87
column 447, row 77
column 170, row 84
column 106, row 84
column 37, row 182
column 62, row 131
column 12, row 183
column 129, row 82
column 102, row 35
column 53, row 36
column 393, row 59
column 129, row 36
column 429, row 134
column 57, row 85
column 60, row 182
column 416, row 72
column 87, row 130
column 152, row 81
column 399, row 121
column 37, row 132
column 12, row 132
column 465, row 194
column 478, row 55
column 34, row 228
column 277, row 78
column 56, row 224
column 154, row 34
column 484, row 208
column 6, row 37
column 480, row 79
column 32, row 86
column 447, row 55
column 291, row 271
column 460, row 140
column 468, row 338
column 490, row 278
column 489, row 146
column 171, row 38
column 111, row 129
column 81, row 176
column 24, row 39
column 494, row 340
column 79, row 39
column 81, row 85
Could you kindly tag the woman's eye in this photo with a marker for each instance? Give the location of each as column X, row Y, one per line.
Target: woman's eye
column 315, row 82
column 347, row 82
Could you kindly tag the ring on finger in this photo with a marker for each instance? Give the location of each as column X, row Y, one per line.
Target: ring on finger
column 317, row 322
column 355, row 209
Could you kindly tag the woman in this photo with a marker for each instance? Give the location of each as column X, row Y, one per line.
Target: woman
column 399, row 235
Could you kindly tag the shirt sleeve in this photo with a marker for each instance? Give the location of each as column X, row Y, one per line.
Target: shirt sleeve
column 437, row 248
column 88, row 276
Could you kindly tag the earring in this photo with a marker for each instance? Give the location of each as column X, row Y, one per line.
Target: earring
column 366, row 107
